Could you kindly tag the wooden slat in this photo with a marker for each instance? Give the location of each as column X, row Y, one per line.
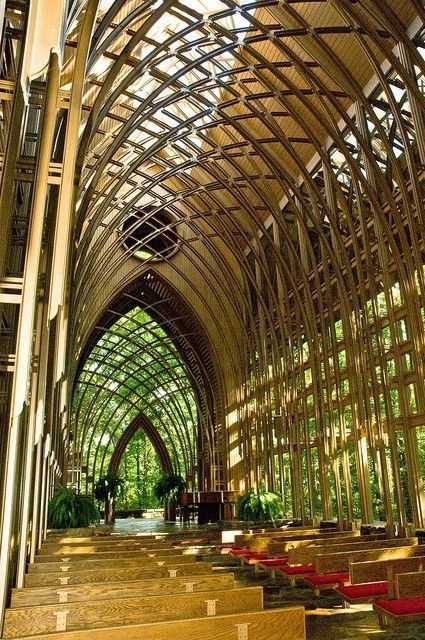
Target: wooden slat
column 329, row 563
column 279, row 548
column 275, row 624
column 410, row 585
column 106, row 555
column 159, row 586
column 361, row 572
column 244, row 539
column 307, row 555
column 94, row 563
column 69, row 539
column 105, row 613
column 116, row 575
column 105, row 546
column 264, row 543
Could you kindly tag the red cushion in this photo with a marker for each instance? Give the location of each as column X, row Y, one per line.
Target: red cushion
column 328, row 578
column 274, row 562
column 366, row 590
column 404, row 606
column 238, row 552
column 254, row 555
column 299, row 569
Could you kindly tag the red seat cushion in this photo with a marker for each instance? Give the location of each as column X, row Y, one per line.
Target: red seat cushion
column 274, row 562
column 238, row 552
column 403, row 606
column 255, row 555
column 299, row 569
column 328, row 578
column 366, row 590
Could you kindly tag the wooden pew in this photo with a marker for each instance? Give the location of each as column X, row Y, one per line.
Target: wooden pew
column 116, row 575
column 94, row 563
column 259, row 542
column 276, row 549
column 362, row 572
column 274, row 624
column 329, row 563
column 409, row 603
column 270, row 542
column 375, row 580
column 105, row 546
column 335, row 564
column 121, row 553
column 410, row 584
column 279, row 558
column 71, row 616
column 82, row 593
column 306, row 555
column 101, row 539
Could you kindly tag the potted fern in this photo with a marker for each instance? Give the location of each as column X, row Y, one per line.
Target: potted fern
column 261, row 506
column 69, row 509
column 167, row 489
column 106, row 490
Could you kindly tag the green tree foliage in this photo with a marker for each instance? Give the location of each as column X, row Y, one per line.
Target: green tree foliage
column 134, row 369
column 141, row 469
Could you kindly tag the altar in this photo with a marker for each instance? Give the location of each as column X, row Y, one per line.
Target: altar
column 211, row 506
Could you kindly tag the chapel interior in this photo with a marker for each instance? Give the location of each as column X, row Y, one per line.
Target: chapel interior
column 213, row 239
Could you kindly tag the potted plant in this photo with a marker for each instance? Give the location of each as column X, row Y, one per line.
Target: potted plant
column 167, row 489
column 261, row 506
column 106, row 490
column 69, row 509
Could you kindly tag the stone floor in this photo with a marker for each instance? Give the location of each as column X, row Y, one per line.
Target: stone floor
column 325, row 618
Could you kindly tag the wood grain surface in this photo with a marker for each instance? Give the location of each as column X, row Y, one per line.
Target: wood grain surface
column 274, row 624
column 122, row 561
column 361, row 572
column 159, row 586
column 328, row 563
column 117, row 553
column 93, row 547
column 304, row 555
column 105, row 613
column 116, row 574
column 410, row 585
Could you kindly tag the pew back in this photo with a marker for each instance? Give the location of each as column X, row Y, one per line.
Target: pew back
column 116, row 575
column 274, row 624
column 309, row 555
column 279, row 548
column 256, row 541
column 84, row 592
column 118, row 553
column 410, row 585
column 27, row 621
column 335, row 562
column 90, row 563
column 375, row 571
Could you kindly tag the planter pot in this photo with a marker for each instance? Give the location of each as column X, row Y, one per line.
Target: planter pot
column 170, row 513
